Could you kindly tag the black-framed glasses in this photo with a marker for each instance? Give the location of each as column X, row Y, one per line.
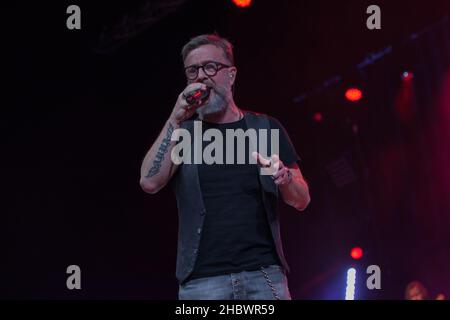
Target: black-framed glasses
column 210, row 69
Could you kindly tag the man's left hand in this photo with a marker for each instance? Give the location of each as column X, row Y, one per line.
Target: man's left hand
column 281, row 174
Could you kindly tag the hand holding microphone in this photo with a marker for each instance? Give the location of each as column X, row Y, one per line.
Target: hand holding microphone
column 196, row 97
column 192, row 97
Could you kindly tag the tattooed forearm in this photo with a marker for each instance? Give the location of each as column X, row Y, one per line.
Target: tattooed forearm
column 163, row 148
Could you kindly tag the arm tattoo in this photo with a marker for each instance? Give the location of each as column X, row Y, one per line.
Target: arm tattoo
column 163, row 148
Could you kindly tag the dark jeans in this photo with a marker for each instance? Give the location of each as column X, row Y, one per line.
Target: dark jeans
column 267, row 283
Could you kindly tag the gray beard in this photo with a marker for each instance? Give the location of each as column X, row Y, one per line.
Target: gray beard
column 216, row 104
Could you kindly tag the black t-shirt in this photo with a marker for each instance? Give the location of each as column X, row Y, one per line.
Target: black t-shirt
column 236, row 235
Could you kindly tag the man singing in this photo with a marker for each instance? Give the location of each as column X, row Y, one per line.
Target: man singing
column 229, row 244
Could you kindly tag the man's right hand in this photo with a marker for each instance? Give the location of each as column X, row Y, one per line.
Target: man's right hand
column 182, row 110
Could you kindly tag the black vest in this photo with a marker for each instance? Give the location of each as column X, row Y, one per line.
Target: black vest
column 191, row 210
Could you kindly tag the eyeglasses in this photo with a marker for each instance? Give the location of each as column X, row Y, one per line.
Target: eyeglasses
column 210, row 69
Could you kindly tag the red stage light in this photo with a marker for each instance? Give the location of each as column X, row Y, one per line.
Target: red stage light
column 405, row 99
column 317, row 117
column 242, row 3
column 407, row 75
column 356, row 253
column 353, row 94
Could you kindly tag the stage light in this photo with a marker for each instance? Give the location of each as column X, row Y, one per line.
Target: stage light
column 405, row 100
column 407, row 75
column 350, row 287
column 318, row 117
column 242, row 3
column 356, row 253
column 353, row 94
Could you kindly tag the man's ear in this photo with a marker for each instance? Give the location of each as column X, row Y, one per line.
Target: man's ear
column 232, row 71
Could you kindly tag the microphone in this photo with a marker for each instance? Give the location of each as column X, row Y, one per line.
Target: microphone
column 196, row 96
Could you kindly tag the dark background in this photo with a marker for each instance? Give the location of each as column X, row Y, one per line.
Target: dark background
column 82, row 107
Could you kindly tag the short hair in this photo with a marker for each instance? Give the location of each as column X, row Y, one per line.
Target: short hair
column 213, row 39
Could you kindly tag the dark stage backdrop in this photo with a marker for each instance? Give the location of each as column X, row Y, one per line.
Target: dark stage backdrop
column 82, row 107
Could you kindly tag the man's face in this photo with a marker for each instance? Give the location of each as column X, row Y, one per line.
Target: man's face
column 221, row 82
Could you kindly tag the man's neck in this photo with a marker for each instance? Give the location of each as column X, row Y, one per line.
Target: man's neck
column 230, row 114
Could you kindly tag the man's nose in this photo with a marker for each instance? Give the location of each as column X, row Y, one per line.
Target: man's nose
column 201, row 75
